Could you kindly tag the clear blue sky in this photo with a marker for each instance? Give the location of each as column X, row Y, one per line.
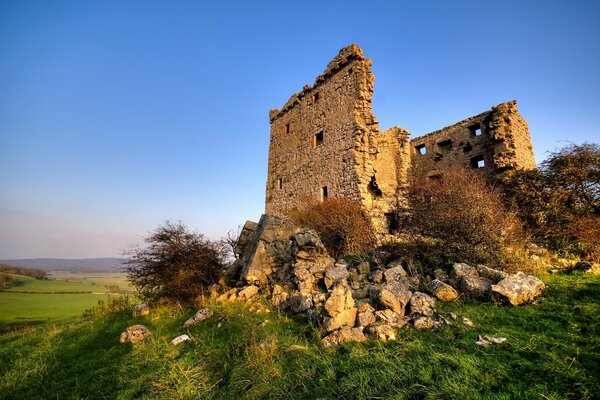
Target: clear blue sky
column 118, row 115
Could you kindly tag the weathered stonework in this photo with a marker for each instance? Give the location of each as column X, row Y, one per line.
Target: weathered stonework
column 326, row 142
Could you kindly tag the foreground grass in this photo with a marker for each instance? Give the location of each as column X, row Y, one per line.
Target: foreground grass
column 554, row 353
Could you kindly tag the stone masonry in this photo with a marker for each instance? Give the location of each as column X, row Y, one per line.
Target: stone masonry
column 326, row 142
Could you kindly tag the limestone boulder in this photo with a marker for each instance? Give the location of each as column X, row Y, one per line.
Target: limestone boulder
column 425, row 323
column 335, row 273
column 266, row 248
column 442, row 291
column 365, row 318
column 394, row 296
column 391, row 318
column 300, row 302
column 248, row 292
column 339, row 308
column 201, row 315
column 344, row 335
column 279, row 297
column 395, row 272
column 376, row 276
column 475, row 287
column 245, row 237
column 180, row 339
column 140, row 310
column 310, row 260
column 493, row 275
column 382, row 332
column 134, row 334
column 518, row 288
column 459, row 270
column 441, row 275
column 422, row 304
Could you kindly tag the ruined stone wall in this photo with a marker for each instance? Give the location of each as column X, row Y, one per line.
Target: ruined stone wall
column 493, row 141
column 326, row 142
column 326, row 136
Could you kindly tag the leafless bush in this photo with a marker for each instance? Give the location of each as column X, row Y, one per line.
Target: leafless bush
column 461, row 212
column 176, row 264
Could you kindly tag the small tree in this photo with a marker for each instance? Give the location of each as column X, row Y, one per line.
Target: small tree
column 341, row 224
column 176, row 264
column 463, row 213
column 560, row 202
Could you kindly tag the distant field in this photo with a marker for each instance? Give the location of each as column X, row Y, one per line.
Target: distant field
column 64, row 296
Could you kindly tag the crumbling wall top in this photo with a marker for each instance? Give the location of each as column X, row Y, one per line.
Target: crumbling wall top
column 344, row 57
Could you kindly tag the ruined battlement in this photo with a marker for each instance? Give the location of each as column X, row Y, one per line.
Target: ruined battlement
column 325, row 142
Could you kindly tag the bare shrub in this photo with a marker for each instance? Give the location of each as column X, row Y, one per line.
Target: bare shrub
column 176, row 264
column 461, row 212
column 342, row 225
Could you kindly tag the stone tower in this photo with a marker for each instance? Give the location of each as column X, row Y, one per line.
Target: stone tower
column 326, row 142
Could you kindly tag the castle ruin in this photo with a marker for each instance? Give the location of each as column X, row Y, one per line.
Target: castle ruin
column 326, row 142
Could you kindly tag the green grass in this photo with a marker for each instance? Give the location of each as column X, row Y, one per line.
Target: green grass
column 554, row 353
column 32, row 301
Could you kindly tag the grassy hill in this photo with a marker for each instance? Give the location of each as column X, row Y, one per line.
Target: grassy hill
column 553, row 353
column 32, row 301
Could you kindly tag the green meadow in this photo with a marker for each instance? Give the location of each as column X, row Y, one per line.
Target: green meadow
column 32, row 301
column 553, row 352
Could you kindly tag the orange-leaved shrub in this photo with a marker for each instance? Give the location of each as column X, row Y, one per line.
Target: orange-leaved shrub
column 342, row 225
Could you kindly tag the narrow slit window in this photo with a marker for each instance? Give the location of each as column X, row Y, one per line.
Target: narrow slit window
column 280, row 183
column 477, row 162
column 287, row 128
column 421, row 149
column 317, row 139
column 324, row 193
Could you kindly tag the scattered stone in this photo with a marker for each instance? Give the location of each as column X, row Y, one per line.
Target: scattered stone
column 365, row 318
column 140, row 310
column 299, row 302
column 230, row 295
column 459, row 270
column 247, row 292
column 376, row 276
column 389, row 317
column 344, row 335
column 134, row 334
column 335, row 273
column 394, row 296
column 339, row 308
column 475, row 287
column 468, row 322
column 200, row 316
column 425, row 323
column 382, row 332
column 441, row 275
column 518, row 288
column 422, row 304
column 180, row 339
column 395, row 273
column 442, row 291
column 453, row 316
column 264, row 323
column 488, row 340
column 492, row 274
column 279, row 297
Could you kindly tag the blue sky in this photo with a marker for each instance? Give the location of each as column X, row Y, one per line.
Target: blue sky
column 118, row 115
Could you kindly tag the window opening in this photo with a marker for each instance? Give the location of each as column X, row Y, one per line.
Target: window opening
column 475, row 130
column 280, row 183
column 374, row 188
column 317, row 139
column 324, row 193
column 467, row 148
column 421, row 149
column 287, row 128
column 445, row 146
column 477, row 162
column 393, row 223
